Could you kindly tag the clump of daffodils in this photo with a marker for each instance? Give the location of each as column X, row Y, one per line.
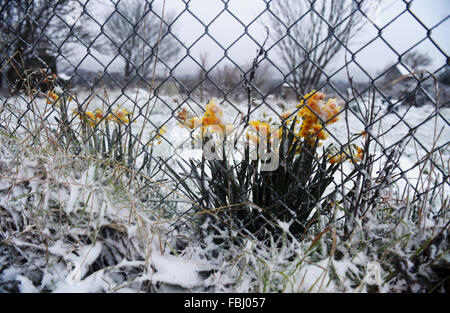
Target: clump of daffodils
column 263, row 130
column 211, row 121
column 316, row 108
column 93, row 118
column 119, row 115
column 88, row 117
column 300, row 173
column 313, row 116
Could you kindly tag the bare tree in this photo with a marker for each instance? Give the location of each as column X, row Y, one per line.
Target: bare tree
column 33, row 34
column 138, row 34
column 310, row 34
column 417, row 60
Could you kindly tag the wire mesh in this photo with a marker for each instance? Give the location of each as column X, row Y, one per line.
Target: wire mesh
column 130, row 116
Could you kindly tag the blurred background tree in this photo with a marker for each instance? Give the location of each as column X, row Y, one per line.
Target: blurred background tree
column 34, row 34
column 137, row 33
column 310, row 35
column 416, row 60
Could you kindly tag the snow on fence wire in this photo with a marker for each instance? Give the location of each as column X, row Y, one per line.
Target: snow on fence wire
column 260, row 146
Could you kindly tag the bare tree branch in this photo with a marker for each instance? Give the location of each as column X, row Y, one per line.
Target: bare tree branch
column 132, row 31
column 312, row 34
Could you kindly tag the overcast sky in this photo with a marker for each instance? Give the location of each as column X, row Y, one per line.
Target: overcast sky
column 401, row 34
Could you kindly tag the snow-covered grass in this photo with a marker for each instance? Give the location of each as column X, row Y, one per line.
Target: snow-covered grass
column 85, row 223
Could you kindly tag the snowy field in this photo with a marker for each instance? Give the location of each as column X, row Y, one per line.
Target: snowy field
column 80, row 230
column 390, row 129
column 428, row 130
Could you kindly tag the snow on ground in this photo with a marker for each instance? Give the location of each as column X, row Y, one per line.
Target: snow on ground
column 393, row 126
column 69, row 267
column 176, row 142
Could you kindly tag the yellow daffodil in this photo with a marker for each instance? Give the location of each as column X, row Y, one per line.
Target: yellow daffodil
column 161, row 131
column 193, row 122
column 119, row 115
column 359, row 154
column 98, row 115
column 286, row 114
column 262, row 127
column 213, row 114
column 315, row 114
column 87, row 117
column 52, row 97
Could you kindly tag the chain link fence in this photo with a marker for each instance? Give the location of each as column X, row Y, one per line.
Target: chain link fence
column 259, row 145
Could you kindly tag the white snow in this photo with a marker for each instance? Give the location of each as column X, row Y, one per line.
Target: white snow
column 26, row 285
column 175, row 271
column 69, row 263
